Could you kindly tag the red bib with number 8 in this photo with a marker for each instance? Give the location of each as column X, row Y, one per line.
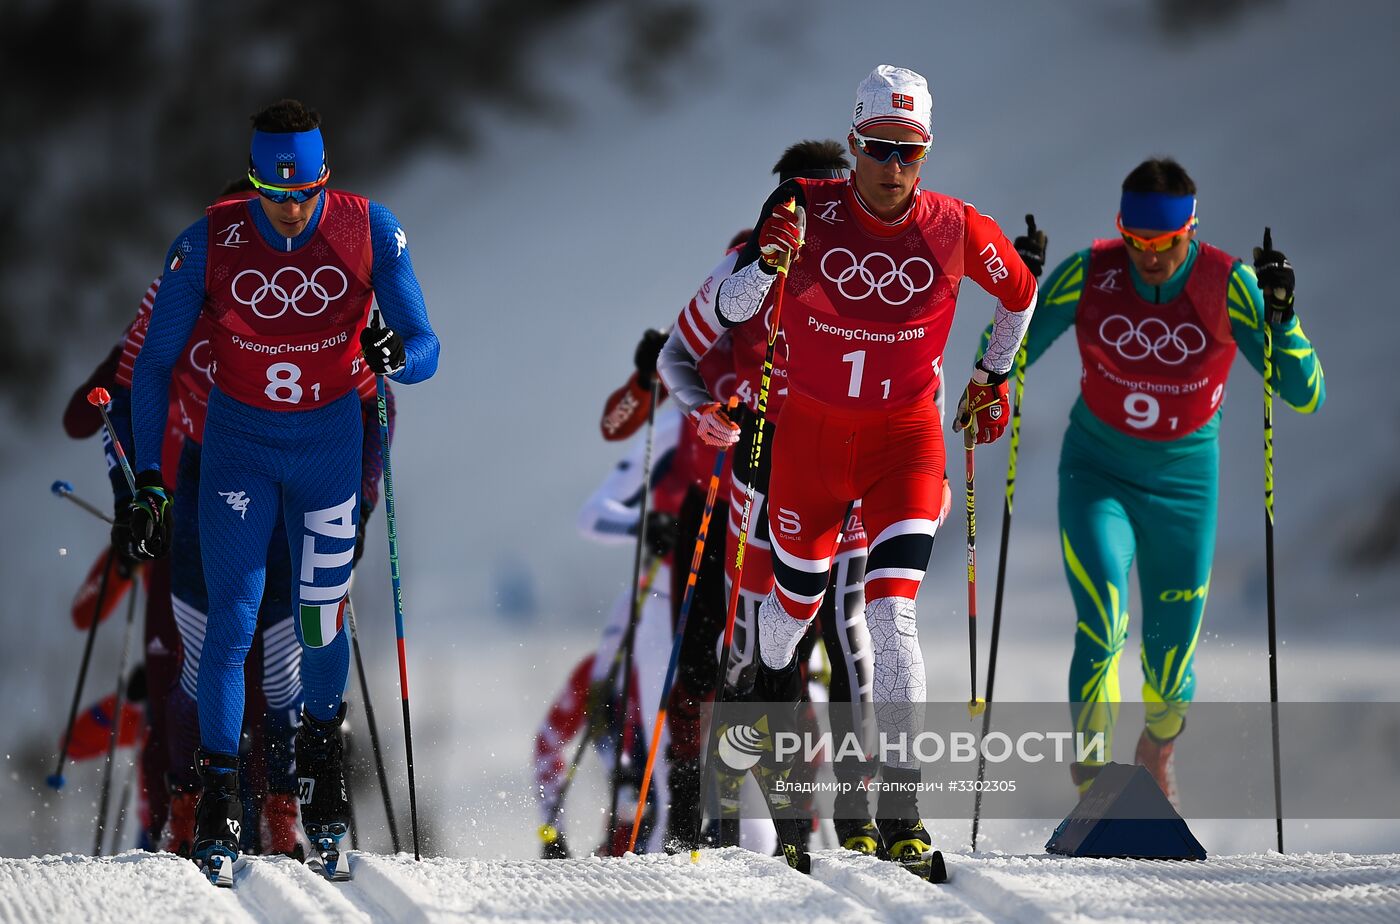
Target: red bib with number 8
column 286, row 325
column 1154, row 371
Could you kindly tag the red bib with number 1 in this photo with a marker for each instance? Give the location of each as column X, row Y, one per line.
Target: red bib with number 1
column 1154, row 371
column 286, row 325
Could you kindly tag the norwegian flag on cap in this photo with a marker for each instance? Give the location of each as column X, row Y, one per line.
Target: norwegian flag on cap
column 894, row 96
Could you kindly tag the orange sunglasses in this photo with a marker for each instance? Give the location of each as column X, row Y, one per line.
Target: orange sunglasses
column 1160, row 243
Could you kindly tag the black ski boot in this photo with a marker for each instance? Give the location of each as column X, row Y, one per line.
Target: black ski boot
column 325, row 799
column 218, row 817
column 782, row 689
column 905, row 840
column 855, row 829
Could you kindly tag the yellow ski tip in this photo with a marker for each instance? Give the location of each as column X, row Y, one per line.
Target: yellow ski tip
column 695, row 856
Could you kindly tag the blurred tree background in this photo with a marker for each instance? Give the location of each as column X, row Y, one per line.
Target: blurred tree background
column 123, row 117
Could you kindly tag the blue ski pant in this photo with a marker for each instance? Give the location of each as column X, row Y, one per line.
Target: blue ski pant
column 259, row 468
column 280, row 671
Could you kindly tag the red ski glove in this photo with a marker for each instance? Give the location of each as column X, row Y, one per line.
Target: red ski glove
column 986, row 408
column 782, row 233
column 714, row 426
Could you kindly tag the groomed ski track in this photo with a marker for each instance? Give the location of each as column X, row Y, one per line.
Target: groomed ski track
column 725, row 885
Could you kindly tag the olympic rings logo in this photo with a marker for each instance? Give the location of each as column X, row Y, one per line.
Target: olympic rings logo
column 878, row 272
column 290, row 298
column 203, row 348
column 1152, row 337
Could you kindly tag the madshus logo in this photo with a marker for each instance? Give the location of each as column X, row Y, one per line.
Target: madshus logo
column 742, row 746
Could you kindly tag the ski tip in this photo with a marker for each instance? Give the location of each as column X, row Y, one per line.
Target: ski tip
column 695, row 856
column 937, row 870
column 219, row 870
column 804, row 864
column 55, row 780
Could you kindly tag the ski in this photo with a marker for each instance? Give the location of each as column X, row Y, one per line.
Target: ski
column 790, row 834
column 327, row 860
column 928, row 866
column 218, row 867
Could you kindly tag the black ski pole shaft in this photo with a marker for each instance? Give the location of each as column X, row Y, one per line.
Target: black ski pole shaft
column 1001, row 582
column 635, row 616
column 65, row 490
column 118, row 702
column 392, row 522
column 373, row 726
column 55, row 779
column 1273, row 318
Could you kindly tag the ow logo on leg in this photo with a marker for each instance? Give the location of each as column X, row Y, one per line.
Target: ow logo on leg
column 322, row 609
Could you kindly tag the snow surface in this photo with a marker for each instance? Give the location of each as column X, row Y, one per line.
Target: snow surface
column 724, row 885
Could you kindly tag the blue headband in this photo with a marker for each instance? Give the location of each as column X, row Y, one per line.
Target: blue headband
column 287, row 158
column 1156, row 211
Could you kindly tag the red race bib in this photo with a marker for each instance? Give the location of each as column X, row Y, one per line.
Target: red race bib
column 286, row 325
column 1154, row 371
column 866, row 316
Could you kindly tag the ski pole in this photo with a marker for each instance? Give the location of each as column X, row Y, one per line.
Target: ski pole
column 635, row 616
column 101, row 399
column 1274, row 317
column 55, row 780
column 1001, row 580
column 373, row 726
column 701, row 536
column 392, row 522
column 118, row 702
column 65, row 490
column 755, row 458
column 974, row 705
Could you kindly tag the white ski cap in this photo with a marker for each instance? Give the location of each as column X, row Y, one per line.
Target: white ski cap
column 894, row 95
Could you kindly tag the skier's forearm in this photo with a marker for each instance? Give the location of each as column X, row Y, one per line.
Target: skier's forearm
column 1008, row 330
column 679, row 371
column 173, row 316
column 1297, row 374
column 400, row 297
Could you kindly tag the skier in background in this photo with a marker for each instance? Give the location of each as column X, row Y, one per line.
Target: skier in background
column 1158, row 316
column 287, row 280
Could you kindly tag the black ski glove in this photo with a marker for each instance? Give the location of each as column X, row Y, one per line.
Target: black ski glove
column 150, row 518
column 1275, row 280
column 383, row 348
column 1031, row 247
column 648, row 348
column 122, row 547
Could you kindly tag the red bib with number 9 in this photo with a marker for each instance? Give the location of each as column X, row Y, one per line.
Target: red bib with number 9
column 286, row 325
column 1154, row 371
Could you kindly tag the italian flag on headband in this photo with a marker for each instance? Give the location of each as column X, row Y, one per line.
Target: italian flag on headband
column 322, row 622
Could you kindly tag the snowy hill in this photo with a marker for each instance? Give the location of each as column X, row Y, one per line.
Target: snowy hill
column 1288, row 116
column 726, row 885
